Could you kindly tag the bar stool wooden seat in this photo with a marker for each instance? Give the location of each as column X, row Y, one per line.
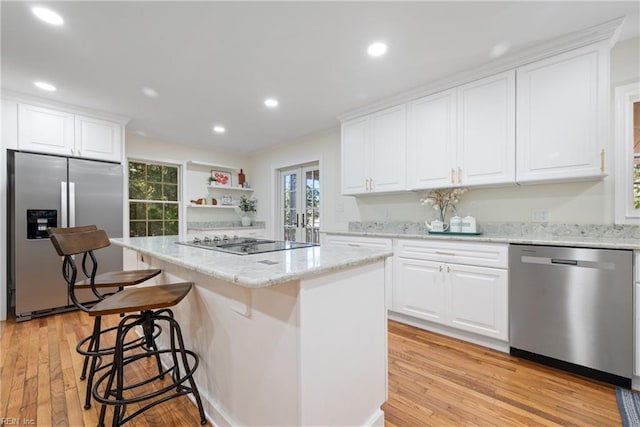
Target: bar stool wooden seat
column 153, row 304
column 76, row 241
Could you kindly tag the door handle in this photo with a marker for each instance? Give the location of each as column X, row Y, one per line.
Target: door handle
column 63, row 204
column 297, row 220
column 303, row 223
column 72, row 204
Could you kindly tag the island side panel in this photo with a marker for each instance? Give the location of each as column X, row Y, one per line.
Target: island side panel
column 247, row 340
column 343, row 347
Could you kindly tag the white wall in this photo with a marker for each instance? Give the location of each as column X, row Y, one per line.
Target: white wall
column 581, row 202
column 323, row 147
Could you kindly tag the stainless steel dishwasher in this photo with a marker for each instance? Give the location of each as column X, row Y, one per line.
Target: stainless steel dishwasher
column 572, row 308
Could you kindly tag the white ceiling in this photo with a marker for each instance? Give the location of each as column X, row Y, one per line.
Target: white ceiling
column 216, row 62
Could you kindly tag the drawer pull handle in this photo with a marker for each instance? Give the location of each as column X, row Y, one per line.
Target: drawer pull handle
column 440, row 269
column 448, row 269
column 355, row 245
column 445, row 253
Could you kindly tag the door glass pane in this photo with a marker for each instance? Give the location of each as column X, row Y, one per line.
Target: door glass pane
column 636, row 155
column 312, row 206
column 290, row 211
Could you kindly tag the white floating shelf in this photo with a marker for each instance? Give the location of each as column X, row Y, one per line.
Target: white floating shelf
column 211, row 206
column 213, row 166
column 219, row 187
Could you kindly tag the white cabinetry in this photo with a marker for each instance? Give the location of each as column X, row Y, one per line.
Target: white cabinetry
column 369, row 242
column 52, row 131
column 458, row 285
column 562, row 116
column 98, row 139
column 45, row 130
column 463, row 136
column 373, row 152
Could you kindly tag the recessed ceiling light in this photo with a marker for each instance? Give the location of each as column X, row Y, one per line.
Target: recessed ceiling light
column 499, row 49
column 377, row 49
column 271, row 102
column 151, row 93
column 47, row 15
column 219, row 129
column 45, row 86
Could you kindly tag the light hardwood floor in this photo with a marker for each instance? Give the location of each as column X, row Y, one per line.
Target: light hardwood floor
column 433, row 380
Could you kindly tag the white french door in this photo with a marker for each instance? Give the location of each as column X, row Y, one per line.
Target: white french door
column 300, row 203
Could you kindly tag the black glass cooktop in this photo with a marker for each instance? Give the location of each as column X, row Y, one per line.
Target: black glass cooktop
column 245, row 246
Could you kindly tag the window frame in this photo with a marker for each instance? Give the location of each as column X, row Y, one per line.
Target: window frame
column 625, row 97
column 180, row 166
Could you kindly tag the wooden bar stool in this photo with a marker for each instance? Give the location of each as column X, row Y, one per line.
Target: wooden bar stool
column 152, row 303
column 84, row 240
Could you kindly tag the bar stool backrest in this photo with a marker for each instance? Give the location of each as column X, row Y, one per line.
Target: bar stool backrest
column 74, row 242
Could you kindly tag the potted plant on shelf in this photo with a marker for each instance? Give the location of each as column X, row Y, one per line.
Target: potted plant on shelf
column 247, row 208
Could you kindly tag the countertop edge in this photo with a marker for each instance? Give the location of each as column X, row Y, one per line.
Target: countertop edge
column 253, row 283
column 586, row 242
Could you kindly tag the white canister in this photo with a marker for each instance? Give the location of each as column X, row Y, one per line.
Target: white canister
column 455, row 224
column 469, row 224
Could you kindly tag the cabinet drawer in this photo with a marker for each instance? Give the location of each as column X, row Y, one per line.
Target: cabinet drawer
column 356, row 241
column 480, row 254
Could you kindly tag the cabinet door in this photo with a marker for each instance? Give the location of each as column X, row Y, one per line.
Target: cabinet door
column 478, row 299
column 486, row 131
column 419, row 289
column 98, row 139
column 354, row 156
column 562, row 108
column 44, row 130
column 431, row 141
column 387, row 165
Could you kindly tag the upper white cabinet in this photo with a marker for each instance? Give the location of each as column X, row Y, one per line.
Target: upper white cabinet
column 98, row 139
column 47, row 130
column 486, row 131
column 463, row 136
column 431, row 141
column 373, row 152
column 562, row 116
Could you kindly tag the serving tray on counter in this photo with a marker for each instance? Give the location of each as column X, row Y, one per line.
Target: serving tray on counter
column 455, row 233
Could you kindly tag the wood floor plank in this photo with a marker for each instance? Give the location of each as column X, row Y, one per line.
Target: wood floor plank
column 433, row 381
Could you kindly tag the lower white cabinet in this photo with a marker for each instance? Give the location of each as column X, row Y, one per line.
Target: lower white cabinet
column 419, row 289
column 369, row 242
column 430, row 285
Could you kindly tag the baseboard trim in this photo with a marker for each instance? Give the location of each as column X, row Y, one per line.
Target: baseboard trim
column 494, row 344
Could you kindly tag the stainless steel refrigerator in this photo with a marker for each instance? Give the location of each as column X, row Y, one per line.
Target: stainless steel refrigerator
column 52, row 191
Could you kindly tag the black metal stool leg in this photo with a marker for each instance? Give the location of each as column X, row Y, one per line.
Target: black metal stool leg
column 148, row 327
column 185, row 363
column 95, row 339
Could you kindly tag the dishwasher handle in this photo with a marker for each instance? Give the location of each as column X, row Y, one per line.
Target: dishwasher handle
column 564, row 261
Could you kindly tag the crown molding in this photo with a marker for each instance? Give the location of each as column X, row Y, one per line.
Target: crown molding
column 607, row 32
column 74, row 109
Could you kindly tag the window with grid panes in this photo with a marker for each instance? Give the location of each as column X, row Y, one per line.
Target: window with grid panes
column 154, row 204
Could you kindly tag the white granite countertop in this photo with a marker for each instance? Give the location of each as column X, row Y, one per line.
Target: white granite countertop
column 585, row 241
column 258, row 270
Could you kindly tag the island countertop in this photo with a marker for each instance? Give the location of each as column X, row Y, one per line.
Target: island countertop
column 257, row 270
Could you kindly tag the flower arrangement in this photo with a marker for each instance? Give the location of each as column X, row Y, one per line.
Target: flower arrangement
column 443, row 200
column 247, row 205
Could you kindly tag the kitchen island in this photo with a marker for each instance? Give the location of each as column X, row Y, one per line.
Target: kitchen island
column 294, row 337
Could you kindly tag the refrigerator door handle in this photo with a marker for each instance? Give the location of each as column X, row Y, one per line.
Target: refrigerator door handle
column 63, row 204
column 72, row 204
